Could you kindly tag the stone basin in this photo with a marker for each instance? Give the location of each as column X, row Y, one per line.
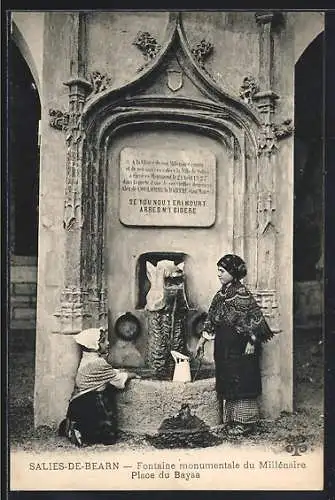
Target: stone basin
column 146, row 403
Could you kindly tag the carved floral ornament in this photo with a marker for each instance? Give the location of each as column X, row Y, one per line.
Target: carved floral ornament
column 59, row 119
column 100, row 81
column 271, row 133
column 248, row 89
column 202, row 50
column 148, row 45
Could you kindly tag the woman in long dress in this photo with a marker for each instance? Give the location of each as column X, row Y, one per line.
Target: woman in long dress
column 91, row 416
column 236, row 324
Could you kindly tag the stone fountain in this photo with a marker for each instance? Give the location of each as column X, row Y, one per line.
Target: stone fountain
column 169, row 413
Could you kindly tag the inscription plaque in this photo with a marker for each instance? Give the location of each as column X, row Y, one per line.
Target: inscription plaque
column 167, row 187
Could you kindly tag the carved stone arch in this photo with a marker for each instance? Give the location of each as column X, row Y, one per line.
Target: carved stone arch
column 207, row 119
column 176, row 44
column 213, row 113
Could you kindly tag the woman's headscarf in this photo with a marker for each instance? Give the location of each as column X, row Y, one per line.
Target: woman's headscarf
column 89, row 338
column 234, row 265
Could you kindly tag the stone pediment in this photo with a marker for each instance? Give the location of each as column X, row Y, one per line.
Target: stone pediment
column 172, row 69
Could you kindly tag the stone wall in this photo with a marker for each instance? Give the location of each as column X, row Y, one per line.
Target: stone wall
column 23, row 286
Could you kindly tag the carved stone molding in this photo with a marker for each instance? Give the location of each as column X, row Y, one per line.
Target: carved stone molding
column 78, row 91
column 175, row 113
column 72, row 201
column 265, row 102
column 271, row 133
column 103, row 306
column 265, row 97
column 265, row 208
column 248, row 89
column 148, row 45
column 202, row 50
column 59, row 119
column 72, row 312
column 266, row 141
column 284, row 129
column 267, row 17
column 99, row 81
column 80, row 308
column 264, row 17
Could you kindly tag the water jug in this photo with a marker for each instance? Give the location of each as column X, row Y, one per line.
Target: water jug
column 182, row 371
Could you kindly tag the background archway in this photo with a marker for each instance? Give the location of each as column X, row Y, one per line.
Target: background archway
column 24, row 110
column 308, row 161
column 308, row 224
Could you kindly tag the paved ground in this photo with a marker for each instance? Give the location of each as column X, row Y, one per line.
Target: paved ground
column 304, row 425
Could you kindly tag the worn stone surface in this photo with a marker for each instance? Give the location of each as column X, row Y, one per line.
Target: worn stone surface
column 145, row 404
column 59, row 355
column 203, row 246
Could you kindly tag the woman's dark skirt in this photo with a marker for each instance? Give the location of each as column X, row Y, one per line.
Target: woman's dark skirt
column 238, row 376
column 94, row 415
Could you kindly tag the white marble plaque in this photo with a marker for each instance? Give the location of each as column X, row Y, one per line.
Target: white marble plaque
column 167, row 187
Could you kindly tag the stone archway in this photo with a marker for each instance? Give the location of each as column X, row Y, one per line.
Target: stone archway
column 308, row 209
column 308, row 257
column 24, row 117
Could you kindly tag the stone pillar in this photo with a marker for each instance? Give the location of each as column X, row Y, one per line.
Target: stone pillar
column 72, row 314
column 54, row 388
column 268, row 267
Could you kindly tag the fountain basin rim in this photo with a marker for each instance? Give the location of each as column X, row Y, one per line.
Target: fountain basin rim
column 171, row 383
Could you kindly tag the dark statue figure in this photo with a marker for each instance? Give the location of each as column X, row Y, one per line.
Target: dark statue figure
column 167, row 310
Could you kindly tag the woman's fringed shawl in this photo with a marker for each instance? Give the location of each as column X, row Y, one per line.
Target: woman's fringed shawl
column 235, row 306
column 234, row 319
column 94, row 373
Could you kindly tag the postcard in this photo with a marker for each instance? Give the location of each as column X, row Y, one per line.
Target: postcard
column 166, row 250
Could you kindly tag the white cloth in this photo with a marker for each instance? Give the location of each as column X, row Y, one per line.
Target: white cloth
column 156, row 276
column 208, row 336
column 89, row 338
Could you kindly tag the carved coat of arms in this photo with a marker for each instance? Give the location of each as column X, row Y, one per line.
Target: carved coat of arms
column 174, row 79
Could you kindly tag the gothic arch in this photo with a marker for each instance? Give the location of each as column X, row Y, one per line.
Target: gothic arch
column 95, row 116
column 210, row 120
column 175, row 42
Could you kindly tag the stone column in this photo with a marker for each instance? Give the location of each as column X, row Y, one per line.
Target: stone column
column 268, row 268
column 53, row 387
column 72, row 314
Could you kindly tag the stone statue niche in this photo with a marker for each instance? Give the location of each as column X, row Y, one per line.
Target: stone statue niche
column 167, row 307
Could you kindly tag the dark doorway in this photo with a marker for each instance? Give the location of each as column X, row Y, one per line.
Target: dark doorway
column 308, row 227
column 308, row 161
column 24, row 110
